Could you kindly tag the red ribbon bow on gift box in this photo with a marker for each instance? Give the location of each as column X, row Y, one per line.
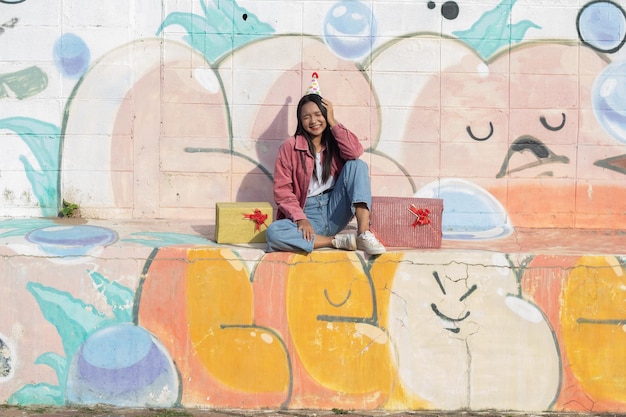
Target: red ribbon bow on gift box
column 258, row 217
column 420, row 214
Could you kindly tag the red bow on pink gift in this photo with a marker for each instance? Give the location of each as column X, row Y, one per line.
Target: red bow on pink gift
column 258, row 217
column 420, row 214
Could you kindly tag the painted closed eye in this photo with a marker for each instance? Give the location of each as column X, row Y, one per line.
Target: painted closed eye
column 477, row 138
column 545, row 123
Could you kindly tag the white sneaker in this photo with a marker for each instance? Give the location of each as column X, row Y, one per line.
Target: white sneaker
column 367, row 242
column 345, row 241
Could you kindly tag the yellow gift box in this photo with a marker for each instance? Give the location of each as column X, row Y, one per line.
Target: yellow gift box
column 242, row 222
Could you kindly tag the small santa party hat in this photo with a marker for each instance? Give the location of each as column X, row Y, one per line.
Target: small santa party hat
column 314, row 87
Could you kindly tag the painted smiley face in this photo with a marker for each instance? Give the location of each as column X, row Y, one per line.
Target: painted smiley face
column 458, row 322
column 451, row 324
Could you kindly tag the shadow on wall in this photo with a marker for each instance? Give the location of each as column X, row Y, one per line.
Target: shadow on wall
column 255, row 185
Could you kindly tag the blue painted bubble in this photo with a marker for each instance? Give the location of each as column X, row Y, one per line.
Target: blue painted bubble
column 71, row 240
column 608, row 97
column 470, row 212
column 135, row 345
column 350, row 29
column 71, row 55
column 602, row 26
column 123, row 365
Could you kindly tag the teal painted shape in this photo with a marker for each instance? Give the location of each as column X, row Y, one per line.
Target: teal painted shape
column 162, row 239
column 221, row 29
column 40, row 394
column 54, row 361
column 120, row 298
column 73, row 319
column 24, row 83
column 21, row 227
column 43, row 139
column 492, row 31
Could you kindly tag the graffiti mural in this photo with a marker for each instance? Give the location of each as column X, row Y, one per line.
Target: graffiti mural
column 208, row 325
column 511, row 114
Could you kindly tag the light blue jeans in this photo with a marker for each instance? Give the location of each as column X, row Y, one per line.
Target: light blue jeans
column 328, row 213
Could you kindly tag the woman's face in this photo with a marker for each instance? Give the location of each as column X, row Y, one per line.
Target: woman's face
column 312, row 119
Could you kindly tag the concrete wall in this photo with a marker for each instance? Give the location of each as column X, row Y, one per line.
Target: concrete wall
column 511, row 112
column 154, row 315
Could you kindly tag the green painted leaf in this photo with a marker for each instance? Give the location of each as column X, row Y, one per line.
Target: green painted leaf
column 41, row 394
column 20, row 227
column 213, row 34
column 73, row 319
column 56, row 362
column 43, row 139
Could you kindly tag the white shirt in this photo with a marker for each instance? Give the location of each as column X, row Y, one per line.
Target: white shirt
column 316, row 186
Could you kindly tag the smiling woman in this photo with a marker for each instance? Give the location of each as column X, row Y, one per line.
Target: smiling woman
column 320, row 184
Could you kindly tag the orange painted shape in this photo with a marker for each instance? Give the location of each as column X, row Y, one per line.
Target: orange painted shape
column 224, row 359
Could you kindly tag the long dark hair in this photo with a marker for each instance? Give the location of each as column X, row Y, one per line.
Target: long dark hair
column 328, row 140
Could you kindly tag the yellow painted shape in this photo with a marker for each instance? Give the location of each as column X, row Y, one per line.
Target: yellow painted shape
column 220, row 310
column 329, row 301
column 593, row 318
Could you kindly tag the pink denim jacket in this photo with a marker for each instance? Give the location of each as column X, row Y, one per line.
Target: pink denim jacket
column 291, row 179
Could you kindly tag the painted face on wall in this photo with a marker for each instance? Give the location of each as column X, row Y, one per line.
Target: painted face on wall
column 520, row 125
column 457, row 322
column 324, row 305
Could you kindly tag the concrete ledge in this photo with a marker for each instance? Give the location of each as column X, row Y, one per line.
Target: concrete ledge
column 154, row 313
column 528, row 240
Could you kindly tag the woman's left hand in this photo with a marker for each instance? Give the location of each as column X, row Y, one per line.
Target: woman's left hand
column 330, row 112
column 306, row 228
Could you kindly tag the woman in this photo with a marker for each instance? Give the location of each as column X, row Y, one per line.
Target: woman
column 320, row 185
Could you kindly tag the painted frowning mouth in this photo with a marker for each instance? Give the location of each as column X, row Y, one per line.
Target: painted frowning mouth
column 529, row 144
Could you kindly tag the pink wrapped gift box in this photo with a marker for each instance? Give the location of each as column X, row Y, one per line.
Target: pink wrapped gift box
column 407, row 222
